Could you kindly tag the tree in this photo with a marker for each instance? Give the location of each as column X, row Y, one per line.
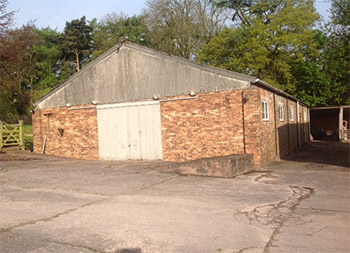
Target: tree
column 6, row 18
column 17, row 64
column 241, row 8
column 48, row 54
column 324, row 79
column 336, row 52
column 182, row 27
column 115, row 27
column 276, row 36
column 77, row 41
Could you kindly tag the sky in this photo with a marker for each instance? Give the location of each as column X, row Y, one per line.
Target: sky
column 55, row 13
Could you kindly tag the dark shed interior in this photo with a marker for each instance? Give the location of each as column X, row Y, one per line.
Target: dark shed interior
column 328, row 122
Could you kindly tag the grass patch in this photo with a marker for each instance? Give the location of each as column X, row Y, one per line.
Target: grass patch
column 28, row 137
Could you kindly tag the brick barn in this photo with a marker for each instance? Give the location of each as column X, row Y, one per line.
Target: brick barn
column 136, row 103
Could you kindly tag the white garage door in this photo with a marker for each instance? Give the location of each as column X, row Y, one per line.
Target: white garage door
column 129, row 131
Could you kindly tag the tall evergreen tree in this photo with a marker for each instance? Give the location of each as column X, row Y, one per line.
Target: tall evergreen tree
column 77, row 41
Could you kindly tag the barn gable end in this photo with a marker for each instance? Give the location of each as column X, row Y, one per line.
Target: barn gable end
column 131, row 72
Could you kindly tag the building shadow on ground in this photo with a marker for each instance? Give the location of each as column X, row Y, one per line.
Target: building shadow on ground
column 135, row 250
column 324, row 152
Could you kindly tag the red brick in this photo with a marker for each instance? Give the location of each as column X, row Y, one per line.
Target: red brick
column 80, row 136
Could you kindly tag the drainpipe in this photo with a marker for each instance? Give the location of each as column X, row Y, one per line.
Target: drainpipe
column 243, row 126
column 298, row 122
column 308, row 110
column 275, row 119
column 288, row 124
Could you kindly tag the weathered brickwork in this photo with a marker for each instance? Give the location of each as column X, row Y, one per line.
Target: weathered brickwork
column 282, row 128
column 252, row 123
column 79, row 137
column 292, row 126
column 209, row 125
column 212, row 124
column 268, row 135
column 304, row 127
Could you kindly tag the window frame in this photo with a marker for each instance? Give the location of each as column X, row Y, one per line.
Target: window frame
column 281, row 112
column 265, row 110
column 292, row 114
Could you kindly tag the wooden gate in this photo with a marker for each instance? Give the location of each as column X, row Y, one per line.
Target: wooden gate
column 11, row 135
column 130, row 131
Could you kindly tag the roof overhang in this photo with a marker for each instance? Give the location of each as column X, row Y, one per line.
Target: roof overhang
column 330, row 107
column 267, row 86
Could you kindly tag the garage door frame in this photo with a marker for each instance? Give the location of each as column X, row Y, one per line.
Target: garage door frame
column 130, row 131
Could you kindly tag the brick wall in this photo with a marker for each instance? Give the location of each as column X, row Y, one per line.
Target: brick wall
column 252, row 122
column 80, row 136
column 268, row 135
column 282, row 127
column 277, row 138
column 304, row 126
column 292, row 126
column 210, row 125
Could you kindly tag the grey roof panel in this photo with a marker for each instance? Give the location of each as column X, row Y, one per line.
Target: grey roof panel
column 129, row 72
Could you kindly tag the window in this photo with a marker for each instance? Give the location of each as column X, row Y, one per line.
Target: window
column 291, row 114
column 305, row 116
column 265, row 111
column 281, row 113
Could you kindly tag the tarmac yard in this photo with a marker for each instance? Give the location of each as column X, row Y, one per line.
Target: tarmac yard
column 52, row 204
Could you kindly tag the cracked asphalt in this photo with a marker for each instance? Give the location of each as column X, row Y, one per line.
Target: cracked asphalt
column 53, row 204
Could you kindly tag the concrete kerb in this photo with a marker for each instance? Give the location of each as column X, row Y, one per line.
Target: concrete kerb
column 220, row 166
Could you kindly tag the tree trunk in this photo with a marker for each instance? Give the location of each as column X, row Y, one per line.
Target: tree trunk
column 77, row 59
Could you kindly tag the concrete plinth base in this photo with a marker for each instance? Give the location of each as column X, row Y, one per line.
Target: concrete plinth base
column 220, row 166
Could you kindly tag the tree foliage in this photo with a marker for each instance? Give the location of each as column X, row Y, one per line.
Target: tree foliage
column 274, row 40
column 325, row 80
column 337, row 50
column 115, row 27
column 6, row 18
column 182, row 27
column 17, row 64
column 48, row 54
column 241, row 8
column 276, row 36
column 77, row 42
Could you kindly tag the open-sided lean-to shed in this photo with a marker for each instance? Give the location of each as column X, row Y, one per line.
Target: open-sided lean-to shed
column 330, row 123
column 136, row 103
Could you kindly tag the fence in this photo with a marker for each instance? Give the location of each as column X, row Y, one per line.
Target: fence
column 12, row 135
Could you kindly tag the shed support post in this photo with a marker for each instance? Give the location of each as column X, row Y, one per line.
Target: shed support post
column 1, row 137
column 309, row 124
column 341, row 133
column 298, row 125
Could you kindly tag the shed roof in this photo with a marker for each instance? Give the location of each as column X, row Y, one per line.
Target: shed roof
column 330, row 107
